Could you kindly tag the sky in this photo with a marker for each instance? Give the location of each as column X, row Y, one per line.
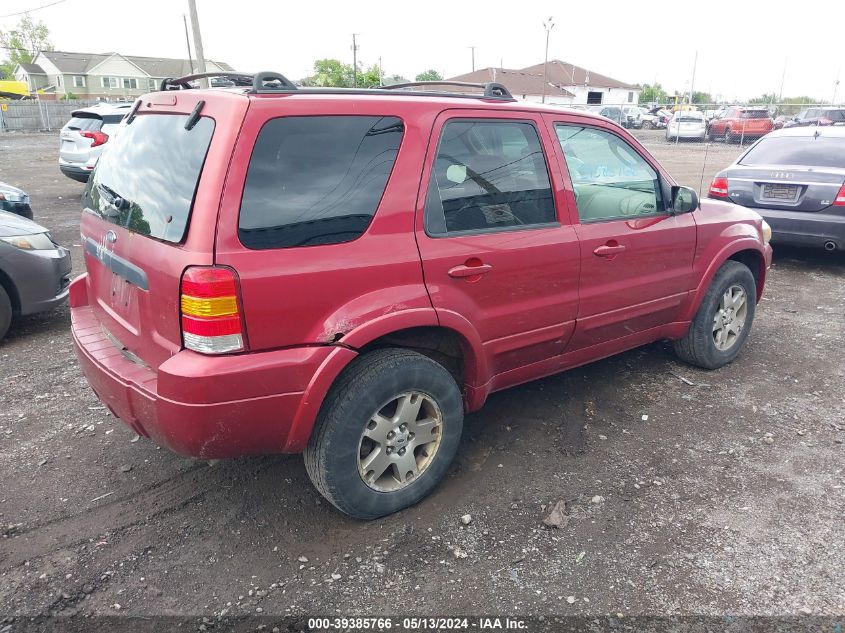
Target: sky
column 743, row 46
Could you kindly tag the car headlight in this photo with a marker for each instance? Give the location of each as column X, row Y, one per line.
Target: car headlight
column 767, row 232
column 11, row 196
column 34, row 242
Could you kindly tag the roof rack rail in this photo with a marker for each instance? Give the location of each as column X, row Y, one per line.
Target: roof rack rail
column 184, row 83
column 259, row 82
column 269, row 81
column 492, row 89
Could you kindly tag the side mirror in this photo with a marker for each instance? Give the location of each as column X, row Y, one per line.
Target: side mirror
column 684, row 199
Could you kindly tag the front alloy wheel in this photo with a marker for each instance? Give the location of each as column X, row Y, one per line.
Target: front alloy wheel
column 729, row 320
column 400, row 441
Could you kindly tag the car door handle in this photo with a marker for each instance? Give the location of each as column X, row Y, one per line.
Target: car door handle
column 469, row 271
column 609, row 250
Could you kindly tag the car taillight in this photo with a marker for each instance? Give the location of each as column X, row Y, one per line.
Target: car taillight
column 719, row 187
column 840, row 197
column 98, row 137
column 211, row 310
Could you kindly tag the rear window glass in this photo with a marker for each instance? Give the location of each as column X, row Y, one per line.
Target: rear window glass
column 785, row 150
column 145, row 181
column 754, row 114
column 834, row 115
column 85, row 124
column 316, row 180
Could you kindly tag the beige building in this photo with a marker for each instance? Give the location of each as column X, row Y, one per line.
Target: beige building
column 102, row 75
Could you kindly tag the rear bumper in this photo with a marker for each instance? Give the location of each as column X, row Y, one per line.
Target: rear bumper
column 803, row 228
column 208, row 406
column 75, row 172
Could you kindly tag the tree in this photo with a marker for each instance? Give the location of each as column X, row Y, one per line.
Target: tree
column 334, row 73
column 23, row 43
column 395, row 79
column 702, row 97
column 430, row 75
column 331, row 73
column 652, row 94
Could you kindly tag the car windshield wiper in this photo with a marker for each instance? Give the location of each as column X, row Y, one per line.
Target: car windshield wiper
column 113, row 198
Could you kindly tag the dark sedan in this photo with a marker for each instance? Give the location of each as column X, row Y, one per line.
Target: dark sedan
column 14, row 200
column 34, row 270
column 795, row 179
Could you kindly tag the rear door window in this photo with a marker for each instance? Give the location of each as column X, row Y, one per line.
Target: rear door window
column 487, row 176
column 316, row 180
column 147, row 179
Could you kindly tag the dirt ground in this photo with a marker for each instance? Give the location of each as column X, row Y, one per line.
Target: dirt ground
column 689, row 492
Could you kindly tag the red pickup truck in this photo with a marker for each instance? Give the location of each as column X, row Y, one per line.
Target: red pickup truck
column 347, row 272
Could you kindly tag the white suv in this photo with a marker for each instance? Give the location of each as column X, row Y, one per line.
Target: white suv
column 85, row 135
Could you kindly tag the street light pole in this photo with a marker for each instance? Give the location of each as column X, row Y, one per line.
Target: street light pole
column 548, row 25
column 472, row 48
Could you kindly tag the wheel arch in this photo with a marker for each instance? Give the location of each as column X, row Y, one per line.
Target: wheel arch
column 746, row 251
column 11, row 290
column 460, row 352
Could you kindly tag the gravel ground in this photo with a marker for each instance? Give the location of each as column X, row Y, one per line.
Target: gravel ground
column 686, row 492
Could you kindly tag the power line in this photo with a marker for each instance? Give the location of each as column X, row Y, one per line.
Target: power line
column 43, row 6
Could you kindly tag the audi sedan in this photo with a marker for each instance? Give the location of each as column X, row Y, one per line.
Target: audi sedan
column 795, row 179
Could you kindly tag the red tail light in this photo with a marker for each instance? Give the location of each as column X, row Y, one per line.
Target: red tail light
column 99, row 137
column 211, row 310
column 840, row 197
column 719, row 187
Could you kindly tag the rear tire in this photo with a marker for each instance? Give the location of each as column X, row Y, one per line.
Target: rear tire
column 647, row 125
column 342, row 457
column 729, row 137
column 5, row 312
column 703, row 344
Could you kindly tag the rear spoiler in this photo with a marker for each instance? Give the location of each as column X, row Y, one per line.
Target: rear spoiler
column 262, row 82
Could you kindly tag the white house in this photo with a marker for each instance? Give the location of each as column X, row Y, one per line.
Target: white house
column 566, row 84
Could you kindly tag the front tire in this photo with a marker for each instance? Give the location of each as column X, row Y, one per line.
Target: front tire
column 5, row 313
column 723, row 320
column 386, row 434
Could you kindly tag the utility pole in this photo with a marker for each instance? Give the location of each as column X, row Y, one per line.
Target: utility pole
column 188, row 42
column 354, row 61
column 692, row 81
column 472, row 48
column 836, row 87
column 548, row 25
column 380, row 72
column 195, row 24
column 782, row 79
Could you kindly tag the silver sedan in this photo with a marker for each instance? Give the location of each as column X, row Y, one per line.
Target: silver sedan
column 686, row 124
column 34, row 270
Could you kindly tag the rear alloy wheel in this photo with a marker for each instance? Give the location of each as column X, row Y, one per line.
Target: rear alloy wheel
column 729, row 137
column 647, row 125
column 5, row 312
column 723, row 320
column 386, row 434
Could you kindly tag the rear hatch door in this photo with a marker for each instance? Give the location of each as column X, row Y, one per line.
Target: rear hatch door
column 150, row 210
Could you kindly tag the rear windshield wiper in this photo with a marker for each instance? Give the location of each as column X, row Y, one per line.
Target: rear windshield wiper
column 113, row 198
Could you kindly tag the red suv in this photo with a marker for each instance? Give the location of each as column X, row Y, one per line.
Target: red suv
column 347, row 272
column 738, row 123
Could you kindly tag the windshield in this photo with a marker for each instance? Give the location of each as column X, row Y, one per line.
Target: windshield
column 791, row 150
column 754, row 114
column 146, row 180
